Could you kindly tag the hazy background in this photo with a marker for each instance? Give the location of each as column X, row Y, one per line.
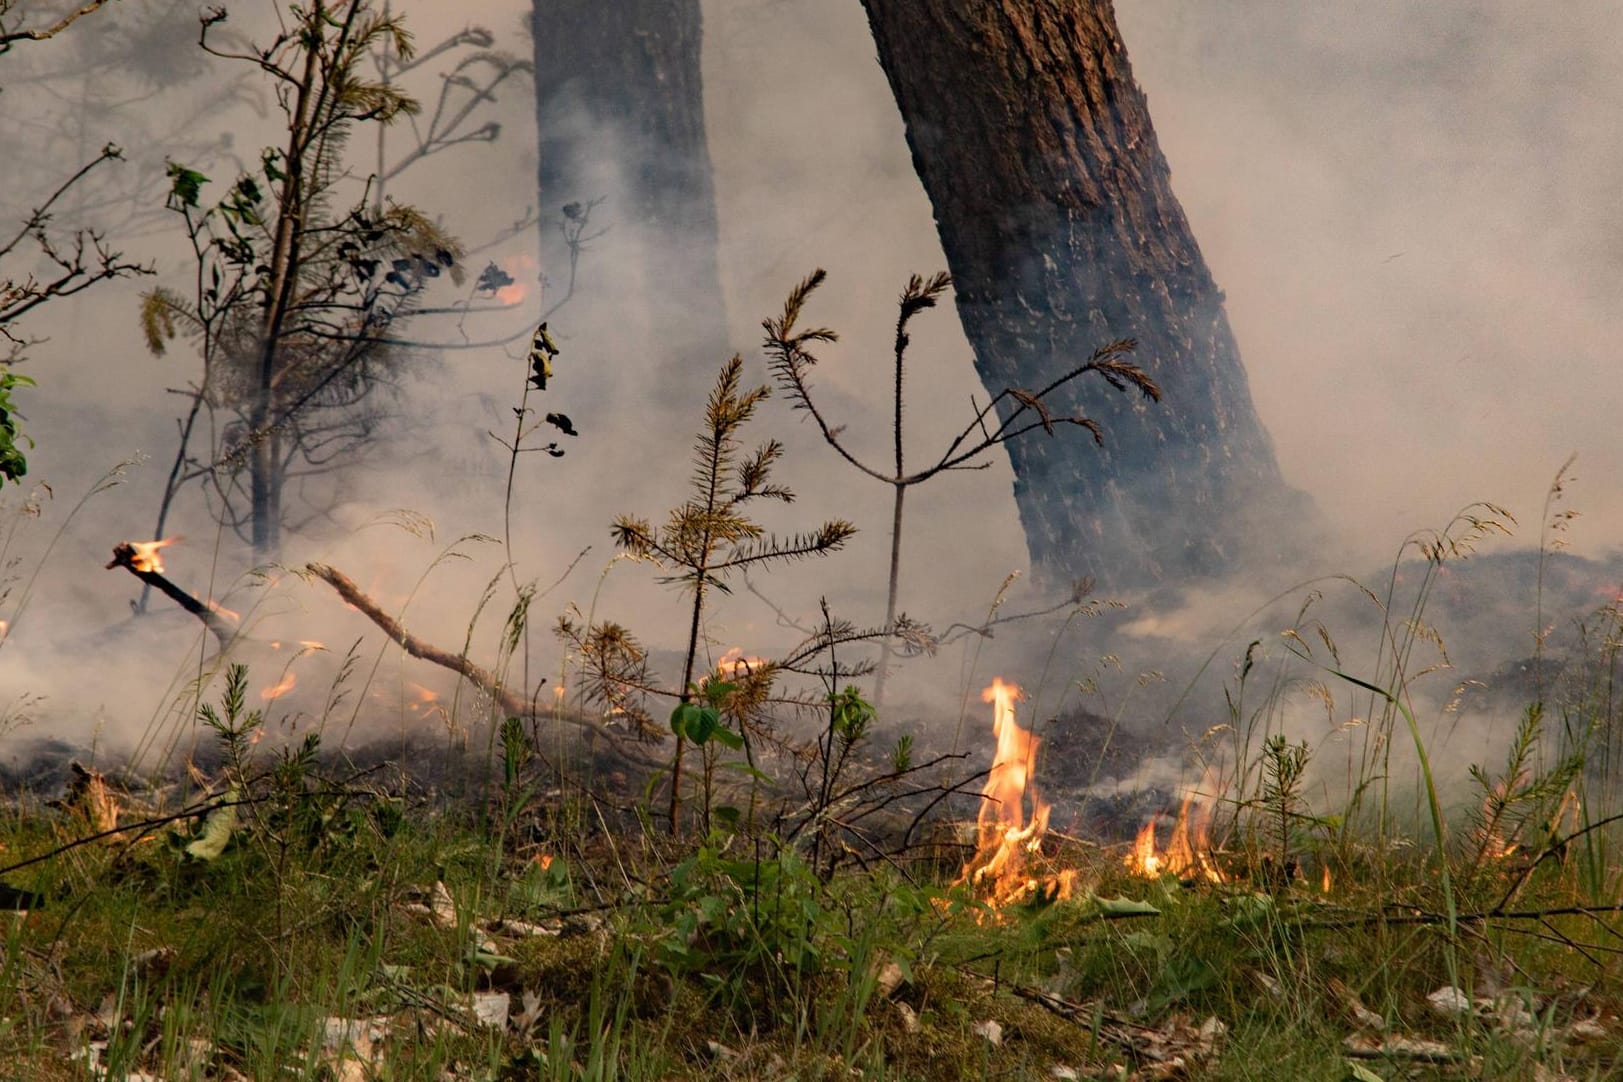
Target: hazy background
column 1410, row 205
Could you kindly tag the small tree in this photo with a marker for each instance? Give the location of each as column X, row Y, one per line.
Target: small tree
column 709, row 536
column 1012, row 413
column 293, row 301
column 76, row 261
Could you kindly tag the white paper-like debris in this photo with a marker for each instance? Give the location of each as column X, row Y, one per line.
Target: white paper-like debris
column 1449, row 1002
column 442, row 906
column 910, row 1018
column 1064, row 1073
column 992, row 1030
column 490, row 1008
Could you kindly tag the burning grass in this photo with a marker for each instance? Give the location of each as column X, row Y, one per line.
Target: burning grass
column 277, row 914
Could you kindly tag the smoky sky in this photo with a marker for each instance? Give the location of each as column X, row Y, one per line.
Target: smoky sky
column 1410, row 206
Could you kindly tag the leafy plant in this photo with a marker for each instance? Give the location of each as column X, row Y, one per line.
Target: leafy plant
column 710, row 536
column 13, row 463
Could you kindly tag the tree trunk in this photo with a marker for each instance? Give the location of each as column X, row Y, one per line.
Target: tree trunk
column 1055, row 209
column 620, row 115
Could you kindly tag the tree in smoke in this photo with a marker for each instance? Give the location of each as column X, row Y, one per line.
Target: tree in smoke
column 294, row 301
column 1054, row 206
column 49, row 264
column 620, row 122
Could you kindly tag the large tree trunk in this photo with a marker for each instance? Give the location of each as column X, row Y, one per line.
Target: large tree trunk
column 1056, row 212
column 620, row 113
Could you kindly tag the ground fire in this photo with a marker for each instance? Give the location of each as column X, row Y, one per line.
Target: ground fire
column 1006, row 836
column 1188, row 852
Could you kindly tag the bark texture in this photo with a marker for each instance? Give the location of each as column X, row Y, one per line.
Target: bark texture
column 1055, row 208
column 620, row 116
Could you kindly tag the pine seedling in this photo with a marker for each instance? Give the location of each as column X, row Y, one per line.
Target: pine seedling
column 710, row 536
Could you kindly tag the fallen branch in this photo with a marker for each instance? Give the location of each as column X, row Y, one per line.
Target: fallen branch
column 128, row 555
column 510, row 702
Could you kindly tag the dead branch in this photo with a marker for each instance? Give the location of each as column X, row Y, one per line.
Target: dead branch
column 223, row 629
column 510, row 702
column 8, row 38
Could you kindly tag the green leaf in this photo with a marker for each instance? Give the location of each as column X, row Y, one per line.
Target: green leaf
column 217, row 831
column 186, row 185
column 682, row 716
column 1126, row 907
column 1357, row 1072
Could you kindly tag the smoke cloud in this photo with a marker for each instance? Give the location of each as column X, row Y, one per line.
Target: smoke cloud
column 1409, row 206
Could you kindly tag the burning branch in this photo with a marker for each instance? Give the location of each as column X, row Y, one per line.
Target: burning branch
column 143, row 561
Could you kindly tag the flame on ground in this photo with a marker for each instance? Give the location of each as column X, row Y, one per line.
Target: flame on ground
column 1188, row 852
column 282, row 687
column 1006, row 836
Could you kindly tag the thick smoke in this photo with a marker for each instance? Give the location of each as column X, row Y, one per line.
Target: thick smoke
column 1407, row 204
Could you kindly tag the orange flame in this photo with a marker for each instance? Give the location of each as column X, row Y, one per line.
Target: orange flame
column 146, row 558
column 282, row 687
column 1006, row 836
column 1188, row 852
column 734, row 665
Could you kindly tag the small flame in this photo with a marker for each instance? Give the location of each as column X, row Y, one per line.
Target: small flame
column 1006, row 837
column 282, row 687
column 1324, row 880
column 1188, row 851
column 519, row 267
column 146, row 558
column 230, row 614
column 735, row 665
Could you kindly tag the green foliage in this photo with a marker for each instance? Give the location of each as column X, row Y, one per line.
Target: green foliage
column 13, row 463
column 698, row 719
column 850, row 715
column 710, row 536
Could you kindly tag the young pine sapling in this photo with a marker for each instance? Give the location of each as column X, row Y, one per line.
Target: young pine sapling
column 710, row 536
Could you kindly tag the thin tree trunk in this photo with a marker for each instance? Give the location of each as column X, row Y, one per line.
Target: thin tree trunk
column 1061, row 231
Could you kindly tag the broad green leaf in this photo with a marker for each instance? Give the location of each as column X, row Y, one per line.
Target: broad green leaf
column 1126, row 907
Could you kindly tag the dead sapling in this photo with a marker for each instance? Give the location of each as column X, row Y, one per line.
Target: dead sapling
column 1012, row 412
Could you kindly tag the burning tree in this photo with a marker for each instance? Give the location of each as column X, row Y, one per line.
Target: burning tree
column 293, row 301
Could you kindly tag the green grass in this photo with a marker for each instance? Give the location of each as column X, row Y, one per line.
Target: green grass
column 731, row 959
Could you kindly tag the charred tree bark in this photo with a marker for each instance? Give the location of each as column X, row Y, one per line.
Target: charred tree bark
column 1056, row 211
column 620, row 117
